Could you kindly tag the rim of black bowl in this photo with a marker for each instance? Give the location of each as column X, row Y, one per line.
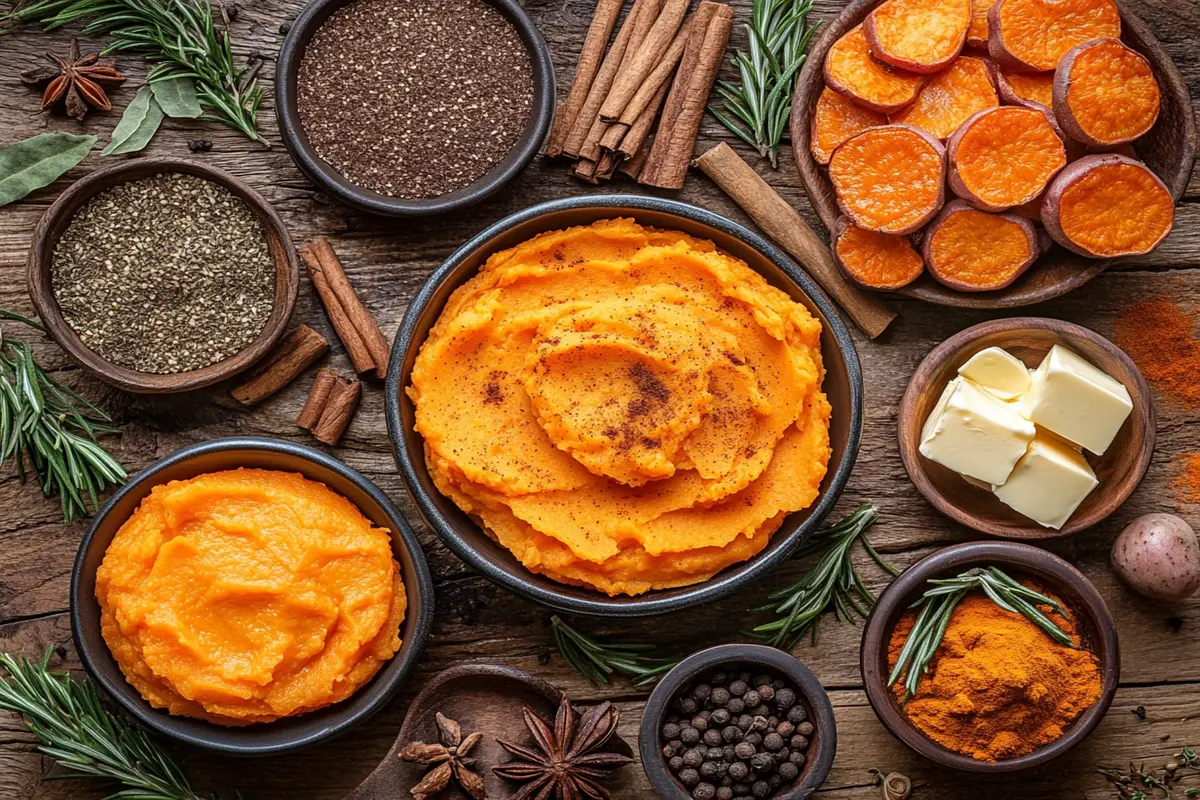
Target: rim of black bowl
column 270, row 738
column 328, row 179
column 728, row 580
column 815, row 771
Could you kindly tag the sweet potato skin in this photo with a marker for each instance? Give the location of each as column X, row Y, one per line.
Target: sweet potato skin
column 842, row 174
column 1136, row 96
column 1025, row 46
column 951, row 97
column 835, row 119
column 1158, row 219
column 908, row 265
column 992, row 250
column 849, row 68
column 1029, row 89
column 882, row 28
column 962, row 187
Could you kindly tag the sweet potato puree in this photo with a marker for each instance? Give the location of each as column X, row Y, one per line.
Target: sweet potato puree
column 623, row 408
column 249, row 595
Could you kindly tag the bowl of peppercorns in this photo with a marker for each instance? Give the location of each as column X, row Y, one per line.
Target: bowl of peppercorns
column 738, row 721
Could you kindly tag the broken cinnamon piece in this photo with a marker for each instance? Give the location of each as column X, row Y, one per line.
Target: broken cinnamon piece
column 634, row 141
column 659, row 76
column 606, row 167
column 339, row 410
column 585, row 169
column 632, row 166
column 318, row 396
column 676, row 139
column 324, row 267
column 356, row 348
column 633, row 74
column 590, row 57
column 292, row 356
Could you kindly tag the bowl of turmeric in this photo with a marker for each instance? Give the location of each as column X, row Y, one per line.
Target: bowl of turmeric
column 990, row 154
column 991, row 657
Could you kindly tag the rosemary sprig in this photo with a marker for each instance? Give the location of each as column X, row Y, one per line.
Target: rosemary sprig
column 1139, row 783
column 779, row 34
column 73, row 728
column 598, row 661
column 180, row 37
column 833, row 585
column 53, row 427
column 938, row 603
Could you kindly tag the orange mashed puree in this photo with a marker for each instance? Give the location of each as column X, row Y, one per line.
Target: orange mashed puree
column 622, row 407
column 249, row 595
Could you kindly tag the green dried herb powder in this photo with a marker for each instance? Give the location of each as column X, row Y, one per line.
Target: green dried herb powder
column 165, row 274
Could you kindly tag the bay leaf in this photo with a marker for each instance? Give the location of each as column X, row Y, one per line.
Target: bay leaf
column 138, row 124
column 39, row 161
column 177, row 97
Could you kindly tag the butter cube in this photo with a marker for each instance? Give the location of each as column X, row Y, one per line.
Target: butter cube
column 998, row 371
column 1049, row 483
column 1071, row 397
column 975, row 434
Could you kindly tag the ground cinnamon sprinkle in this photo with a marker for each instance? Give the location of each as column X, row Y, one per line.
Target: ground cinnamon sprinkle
column 1161, row 338
column 1187, row 478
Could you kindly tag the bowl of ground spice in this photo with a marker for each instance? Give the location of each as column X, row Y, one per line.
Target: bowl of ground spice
column 160, row 275
column 1001, row 689
column 413, row 107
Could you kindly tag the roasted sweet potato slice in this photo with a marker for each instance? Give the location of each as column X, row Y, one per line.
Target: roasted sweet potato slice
column 1003, row 157
column 1029, row 89
column 1108, row 205
column 835, row 119
column 851, row 70
column 950, row 97
column 921, row 36
column 889, row 179
column 875, row 260
column 974, row 251
column 1105, row 94
column 1032, row 35
column 977, row 33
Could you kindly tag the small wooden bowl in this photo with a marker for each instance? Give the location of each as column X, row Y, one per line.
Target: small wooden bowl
column 1119, row 470
column 1169, row 149
column 1098, row 629
column 55, row 221
column 812, row 696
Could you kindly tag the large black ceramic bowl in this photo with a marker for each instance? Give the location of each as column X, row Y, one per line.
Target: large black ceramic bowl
column 843, row 385
column 332, row 182
column 285, row 734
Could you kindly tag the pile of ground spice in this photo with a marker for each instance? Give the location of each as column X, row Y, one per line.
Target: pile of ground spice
column 1187, row 477
column 998, row 687
column 415, row 98
column 1161, row 339
column 165, row 274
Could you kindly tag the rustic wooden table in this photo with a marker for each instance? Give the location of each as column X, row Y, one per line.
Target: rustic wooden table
column 480, row 623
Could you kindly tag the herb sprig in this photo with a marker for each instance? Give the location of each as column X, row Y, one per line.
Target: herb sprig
column 53, row 427
column 599, row 661
column 833, row 585
column 759, row 108
column 1139, row 783
column 180, row 37
column 73, row 728
column 939, row 602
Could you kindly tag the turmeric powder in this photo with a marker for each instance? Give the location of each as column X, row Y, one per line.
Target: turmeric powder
column 998, row 687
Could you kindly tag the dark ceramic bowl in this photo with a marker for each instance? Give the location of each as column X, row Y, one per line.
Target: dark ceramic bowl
column 1099, row 635
column 332, row 182
column 823, row 742
column 286, row 734
column 843, row 385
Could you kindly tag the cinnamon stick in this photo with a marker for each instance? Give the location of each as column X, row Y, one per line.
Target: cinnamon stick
column 633, row 165
column 674, row 144
column 585, row 169
column 292, row 356
column 785, row 225
column 613, row 136
column 648, row 54
column 659, row 76
column 340, row 407
column 590, row 57
column 349, row 316
column 634, row 140
column 701, row 18
column 318, row 396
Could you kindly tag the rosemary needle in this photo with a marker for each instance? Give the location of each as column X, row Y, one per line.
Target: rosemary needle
column 598, row 661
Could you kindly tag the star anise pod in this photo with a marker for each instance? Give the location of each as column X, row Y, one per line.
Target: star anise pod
column 567, row 763
column 449, row 760
column 75, row 83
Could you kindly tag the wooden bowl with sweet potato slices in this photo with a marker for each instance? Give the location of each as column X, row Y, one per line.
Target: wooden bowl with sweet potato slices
column 1037, row 133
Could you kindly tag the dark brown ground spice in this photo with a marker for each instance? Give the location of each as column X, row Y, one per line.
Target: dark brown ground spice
column 415, row 98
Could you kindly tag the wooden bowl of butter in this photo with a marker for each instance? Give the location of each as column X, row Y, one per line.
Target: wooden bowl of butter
column 1027, row 428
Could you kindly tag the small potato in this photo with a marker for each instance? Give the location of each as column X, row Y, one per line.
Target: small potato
column 1158, row 556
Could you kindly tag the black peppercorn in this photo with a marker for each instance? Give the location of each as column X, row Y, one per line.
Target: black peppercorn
column 720, row 717
column 797, row 758
column 675, row 763
column 728, row 754
column 720, row 696
column 704, row 791
column 689, row 735
column 762, row 762
column 745, row 721
column 700, row 723
column 774, row 781
column 788, row 771
column 731, row 734
column 744, row 750
column 753, row 738
column 741, row 789
column 689, row 777
column 670, row 731
column 688, row 705
column 759, row 724
column 799, row 742
column 785, row 729
column 750, row 698
column 724, row 793
column 805, row 728
column 785, row 698
column 738, row 688
column 772, row 741
column 777, row 684
column 739, row 771
column 692, row 758
column 766, row 693
column 713, row 737
column 709, row 770
column 736, row 705
column 761, row 789
column 702, row 692
column 717, row 678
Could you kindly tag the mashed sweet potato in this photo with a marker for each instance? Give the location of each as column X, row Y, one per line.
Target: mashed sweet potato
column 623, row 408
column 249, row 595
